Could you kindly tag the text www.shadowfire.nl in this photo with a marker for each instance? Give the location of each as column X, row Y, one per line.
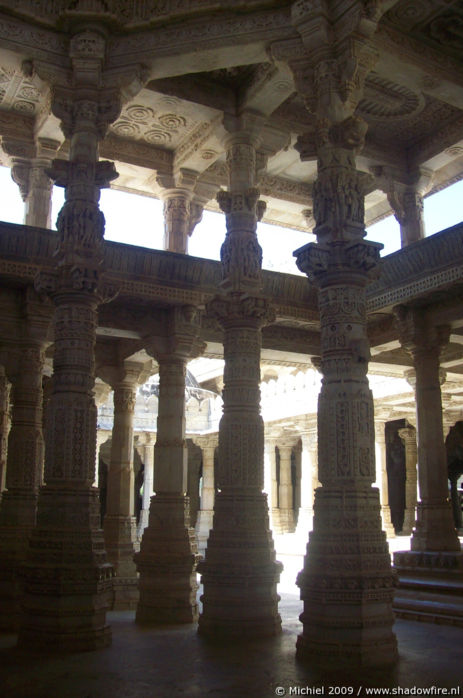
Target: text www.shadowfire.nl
column 365, row 691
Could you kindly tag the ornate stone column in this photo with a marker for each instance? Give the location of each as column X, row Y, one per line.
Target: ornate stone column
column 434, row 529
column 120, row 525
column 271, row 464
column 239, row 572
column 145, row 447
column 308, row 470
column 68, row 581
column 30, row 163
column 347, row 584
column 25, row 456
column 168, row 552
column 181, row 211
column 431, row 573
column 204, row 522
column 408, row 436
column 405, row 192
column 285, row 489
column 5, row 423
column 380, row 439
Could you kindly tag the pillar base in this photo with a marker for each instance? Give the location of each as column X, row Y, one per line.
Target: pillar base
column 347, row 584
column 67, row 580
column 17, row 519
column 430, row 586
column 388, row 527
column 434, row 529
column 239, row 573
column 284, row 522
column 120, row 541
column 167, row 564
column 409, row 522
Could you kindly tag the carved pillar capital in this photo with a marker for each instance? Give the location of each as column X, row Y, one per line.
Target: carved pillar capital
column 418, row 335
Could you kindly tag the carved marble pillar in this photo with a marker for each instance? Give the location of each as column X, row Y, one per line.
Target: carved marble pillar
column 434, row 528
column 182, row 212
column 145, row 447
column 408, row 436
column 239, row 572
column 285, row 489
column 168, row 553
column 347, row 584
column 431, row 572
column 23, row 474
column 30, row 174
column 120, row 526
column 405, row 192
column 270, row 464
column 204, row 522
column 308, row 471
column 380, row 439
column 68, row 581
column 5, row 423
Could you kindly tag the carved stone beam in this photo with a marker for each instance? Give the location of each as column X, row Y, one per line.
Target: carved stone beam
column 271, row 85
column 405, row 192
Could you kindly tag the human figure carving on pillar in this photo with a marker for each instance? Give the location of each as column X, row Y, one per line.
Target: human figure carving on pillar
column 168, row 553
column 25, row 452
column 208, row 445
column 347, row 584
column 67, row 609
column 408, row 436
column 239, row 572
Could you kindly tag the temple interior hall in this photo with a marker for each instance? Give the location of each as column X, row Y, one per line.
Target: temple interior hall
column 231, row 348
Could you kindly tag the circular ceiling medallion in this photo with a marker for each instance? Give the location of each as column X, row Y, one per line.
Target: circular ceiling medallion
column 454, row 151
column 172, row 122
column 208, row 154
column 137, row 112
column 385, row 100
column 24, row 107
column 126, row 129
column 157, row 137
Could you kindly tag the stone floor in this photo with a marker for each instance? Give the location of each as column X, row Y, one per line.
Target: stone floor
column 174, row 661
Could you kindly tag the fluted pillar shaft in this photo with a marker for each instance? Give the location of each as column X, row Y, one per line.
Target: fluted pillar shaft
column 408, row 436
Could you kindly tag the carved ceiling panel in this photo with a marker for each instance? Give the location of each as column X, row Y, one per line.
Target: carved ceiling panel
column 18, row 93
